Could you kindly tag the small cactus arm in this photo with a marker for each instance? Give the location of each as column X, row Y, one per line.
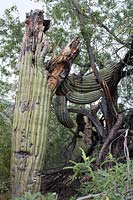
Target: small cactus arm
column 62, row 114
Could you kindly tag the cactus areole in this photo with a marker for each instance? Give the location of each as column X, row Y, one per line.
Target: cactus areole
column 37, row 83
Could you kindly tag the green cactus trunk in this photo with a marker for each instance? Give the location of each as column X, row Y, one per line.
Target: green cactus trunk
column 30, row 121
column 29, row 128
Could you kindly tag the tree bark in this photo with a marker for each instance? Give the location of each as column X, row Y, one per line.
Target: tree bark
column 31, row 110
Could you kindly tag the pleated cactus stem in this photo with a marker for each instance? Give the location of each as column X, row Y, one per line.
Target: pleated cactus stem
column 32, row 109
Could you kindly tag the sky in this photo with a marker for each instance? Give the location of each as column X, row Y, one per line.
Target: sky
column 23, row 6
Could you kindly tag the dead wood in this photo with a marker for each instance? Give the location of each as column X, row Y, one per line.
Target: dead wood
column 59, row 181
column 59, row 66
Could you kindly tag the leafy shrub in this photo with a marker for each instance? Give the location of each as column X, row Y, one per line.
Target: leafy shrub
column 109, row 183
column 82, row 168
column 5, row 145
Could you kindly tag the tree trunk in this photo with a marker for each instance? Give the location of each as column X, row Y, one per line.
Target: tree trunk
column 31, row 110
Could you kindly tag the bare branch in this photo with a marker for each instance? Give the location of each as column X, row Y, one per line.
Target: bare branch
column 109, row 31
column 112, row 134
column 127, row 73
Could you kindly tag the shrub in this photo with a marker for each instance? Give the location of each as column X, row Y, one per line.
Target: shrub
column 103, row 184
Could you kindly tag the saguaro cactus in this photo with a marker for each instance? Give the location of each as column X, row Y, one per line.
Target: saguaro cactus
column 31, row 109
column 36, row 86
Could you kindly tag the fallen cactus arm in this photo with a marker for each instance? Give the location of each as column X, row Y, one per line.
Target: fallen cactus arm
column 79, row 92
column 88, row 83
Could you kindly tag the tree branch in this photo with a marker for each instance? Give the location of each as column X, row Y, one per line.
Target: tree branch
column 112, row 134
column 127, row 73
column 109, row 31
column 94, row 119
column 118, row 71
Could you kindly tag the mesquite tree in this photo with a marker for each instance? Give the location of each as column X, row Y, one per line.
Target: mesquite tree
column 98, row 24
column 31, row 114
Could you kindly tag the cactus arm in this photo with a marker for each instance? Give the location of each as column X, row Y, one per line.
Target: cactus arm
column 89, row 82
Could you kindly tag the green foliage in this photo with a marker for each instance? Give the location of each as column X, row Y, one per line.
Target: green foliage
column 37, row 196
column 109, row 182
column 11, row 36
column 125, row 93
column 5, row 145
column 80, row 168
column 10, row 40
column 51, row 196
column 115, row 15
column 58, row 139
